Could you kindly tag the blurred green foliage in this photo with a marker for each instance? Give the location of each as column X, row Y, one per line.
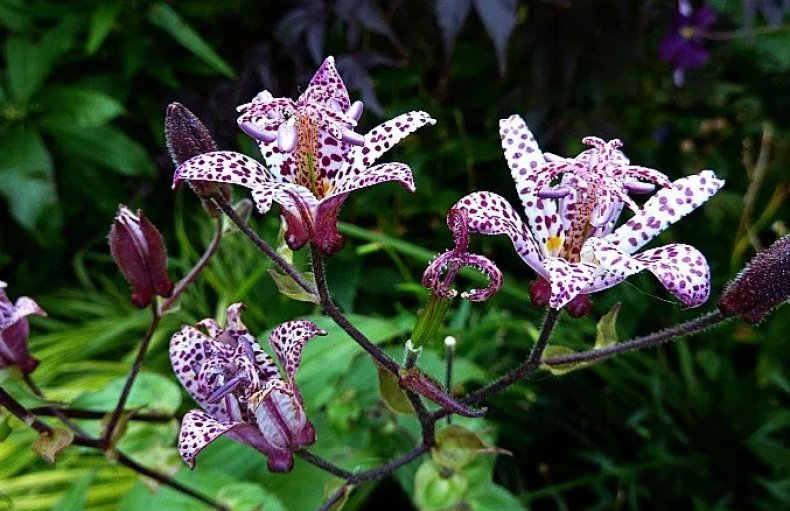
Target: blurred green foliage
column 700, row 424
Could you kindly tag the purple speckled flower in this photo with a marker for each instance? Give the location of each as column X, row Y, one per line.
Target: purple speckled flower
column 571, row 240
column 313, row 157
column 683, row 46
column 14, row 331
column 240, row 388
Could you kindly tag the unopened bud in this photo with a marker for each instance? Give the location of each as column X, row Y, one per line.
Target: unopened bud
column 14, row 331
column 540, row 292
column 139, row 251
column 579, row 307
column 762, row 285
column 188, row 137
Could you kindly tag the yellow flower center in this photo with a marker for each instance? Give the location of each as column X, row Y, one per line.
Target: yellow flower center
column 687, row 32
column 553, row 244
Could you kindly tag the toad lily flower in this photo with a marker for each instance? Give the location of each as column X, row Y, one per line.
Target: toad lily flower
column 571, row 241
column 240, row 388
column 14, row 331
column 683, row 47
column 313, row 157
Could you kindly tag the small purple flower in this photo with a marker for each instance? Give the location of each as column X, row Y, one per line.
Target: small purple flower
column 313, row 157
column 241, row 389
column 14, row 331
column 139, row 251
column 571, row 240
column 683, row 46
column 441, row 273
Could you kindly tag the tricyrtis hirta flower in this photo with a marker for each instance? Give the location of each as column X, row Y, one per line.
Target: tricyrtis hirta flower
column 14, row 331
column 441, row 273
column 139, row 251
column 571, row 240
column 240, row 388
column 683, row 46
column 313, row 157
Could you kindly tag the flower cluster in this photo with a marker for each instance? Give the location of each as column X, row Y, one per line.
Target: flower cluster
column 313, row 157
column 240, row 388
column 570, row 239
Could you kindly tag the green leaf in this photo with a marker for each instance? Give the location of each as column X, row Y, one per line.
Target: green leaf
column 164, row 17
column 15, row 16
column 50, row 445
column 436, row 488
column 79, row 107
column 392, row 394
column 248, row 497
column 288, row 286
column 150, row 391
column 102, row 21
column 26, row 167
column 493, row 497
column 606, row 329
column 74, row 500
column 331, row 487
column 29, row 63
column 559, row 370
column 456, row 447
column 5, row 428
column 105, row 145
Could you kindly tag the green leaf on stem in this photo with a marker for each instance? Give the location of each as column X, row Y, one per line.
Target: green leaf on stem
column 105, row 145
column 456, row 447
column 5, row 428
column 288, row 286
column 557, row 351
column 437, row 488
column 50, row 444
column 392, row 394
column 153, row 392
column 429, row 320
column 606, row 329
column 74, row 500
column 76, row 106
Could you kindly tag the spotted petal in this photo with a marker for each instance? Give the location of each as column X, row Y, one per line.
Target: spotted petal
column 239, row 331
column 381, row 173
column 288, row 339
column 524, row 157
column 327, row 84
column 189, row 349
column 10, row 314
column 682, row 269
column 380, row 140
column 224, row 167
column 490, row 214
column 568, row 280
column 666, row 207
column 198, row 429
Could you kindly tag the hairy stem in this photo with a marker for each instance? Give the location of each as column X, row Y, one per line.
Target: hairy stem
column 127, row 388
column 331, row 309
column 195, row 271
column 323, row 464
column 28, row 417
column 530, row 365
column 689, row 327
column 263, row 246
column 79, row 413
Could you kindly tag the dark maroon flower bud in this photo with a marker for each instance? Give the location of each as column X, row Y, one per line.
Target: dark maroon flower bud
column 579, row 307
column 762, row 285
column 139, row 251
column 188, row 137
column 14, row 331
column 540, row 292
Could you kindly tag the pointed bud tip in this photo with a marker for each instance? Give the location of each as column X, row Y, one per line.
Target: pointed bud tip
column 185, row 134
column 762, row 286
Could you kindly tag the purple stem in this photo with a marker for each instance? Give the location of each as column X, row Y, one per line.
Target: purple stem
column 195, row 271
column 127, row 388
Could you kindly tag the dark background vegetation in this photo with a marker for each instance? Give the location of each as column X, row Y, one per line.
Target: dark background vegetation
column 701, row 424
